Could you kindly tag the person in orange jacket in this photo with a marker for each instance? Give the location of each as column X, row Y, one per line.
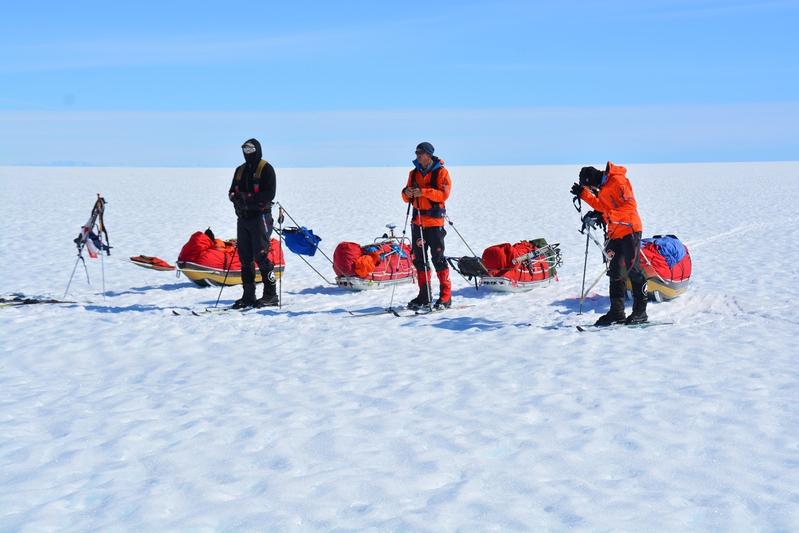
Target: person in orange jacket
column 611, row 195
column 427, row 189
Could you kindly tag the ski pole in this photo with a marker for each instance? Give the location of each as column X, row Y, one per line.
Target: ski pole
column 227, row 271
column 282, row 240
column 280, row 281
column 585, row 265
column 102, row 265
column 461, row 236
column 404, row 228
column 298, row 225
column 79, row 258
column 578, row 205
column 424, row 252
column 599, row 277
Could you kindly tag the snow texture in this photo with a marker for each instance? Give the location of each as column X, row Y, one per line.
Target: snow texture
column 117, row 415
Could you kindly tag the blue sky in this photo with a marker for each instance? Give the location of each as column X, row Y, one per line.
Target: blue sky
column 360, row 83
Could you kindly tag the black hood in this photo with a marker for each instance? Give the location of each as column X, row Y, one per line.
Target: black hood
column 254, row 157
column 591, row 176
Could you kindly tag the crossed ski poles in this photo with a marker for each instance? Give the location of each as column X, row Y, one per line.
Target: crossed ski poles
column 98, row 209
column 590, row 236
column 588, row 223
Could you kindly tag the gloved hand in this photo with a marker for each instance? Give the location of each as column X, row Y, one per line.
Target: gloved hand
column 238, row 203
column 576, row 189
column 412, row 192
column 593, row 219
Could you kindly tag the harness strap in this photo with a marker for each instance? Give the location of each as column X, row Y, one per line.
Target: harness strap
column 256, row 175
column 436, row 210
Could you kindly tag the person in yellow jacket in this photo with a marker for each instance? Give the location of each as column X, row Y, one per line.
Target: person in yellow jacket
column 611, row 195
column 427, row 191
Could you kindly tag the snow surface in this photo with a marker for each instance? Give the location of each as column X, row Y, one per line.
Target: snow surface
column 115, row 414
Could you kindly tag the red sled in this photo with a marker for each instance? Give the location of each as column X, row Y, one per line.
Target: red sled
column 383, row 263
column 207, row 261
column 153, row 263
column 520, row 267
column 667, row 265
column 509, row 267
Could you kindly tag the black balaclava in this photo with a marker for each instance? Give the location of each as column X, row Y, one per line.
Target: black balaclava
column 254, row 157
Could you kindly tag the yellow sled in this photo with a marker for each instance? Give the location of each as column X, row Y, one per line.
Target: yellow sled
column 206, row 276
column 661, row 289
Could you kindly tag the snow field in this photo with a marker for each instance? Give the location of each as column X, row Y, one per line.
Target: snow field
column 115, row 414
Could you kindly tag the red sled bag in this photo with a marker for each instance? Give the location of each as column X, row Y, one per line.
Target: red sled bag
column 510, row 267
column 209, row 261
column 525, row 261
column 373, row 266
column 667, row 265
column 344, row 257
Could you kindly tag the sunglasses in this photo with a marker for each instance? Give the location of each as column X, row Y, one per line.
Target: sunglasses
column 420, row 152
column 248, row 149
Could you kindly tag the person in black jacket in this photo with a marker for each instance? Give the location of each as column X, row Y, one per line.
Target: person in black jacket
column 252, row 193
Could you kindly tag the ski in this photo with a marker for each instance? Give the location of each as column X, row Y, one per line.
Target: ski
column 375, row 312
column 432, row 310
column 591, row 327
column 22, row 300
column 188, row 312
column 218, row 310
column 401, row 312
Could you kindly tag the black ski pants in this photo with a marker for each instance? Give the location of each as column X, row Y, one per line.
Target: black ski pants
column 434, row 242
column 253, row 236
column 625, row 261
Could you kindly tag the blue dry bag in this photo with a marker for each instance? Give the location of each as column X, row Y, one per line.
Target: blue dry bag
column 301, row 241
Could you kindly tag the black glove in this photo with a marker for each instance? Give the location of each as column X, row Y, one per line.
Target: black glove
column 238, row 204
column 593, row 219
column 577, row 189
column 591, row 176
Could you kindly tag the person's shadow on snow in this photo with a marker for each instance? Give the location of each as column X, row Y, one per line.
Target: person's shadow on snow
column 148, row 288
column 594, row 303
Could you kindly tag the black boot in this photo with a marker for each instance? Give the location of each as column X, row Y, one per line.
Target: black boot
column 269, row 299
column 638, row 316
column 248, row 299
column 423, row 299
column 442, row 304
column 615, row 315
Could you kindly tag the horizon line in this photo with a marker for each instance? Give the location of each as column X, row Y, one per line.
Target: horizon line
column 299, row 167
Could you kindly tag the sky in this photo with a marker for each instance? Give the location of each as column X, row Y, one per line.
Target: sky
column 179, row 83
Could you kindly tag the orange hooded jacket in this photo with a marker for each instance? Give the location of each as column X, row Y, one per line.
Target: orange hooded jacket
column 429, row 209
column 616, row 201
